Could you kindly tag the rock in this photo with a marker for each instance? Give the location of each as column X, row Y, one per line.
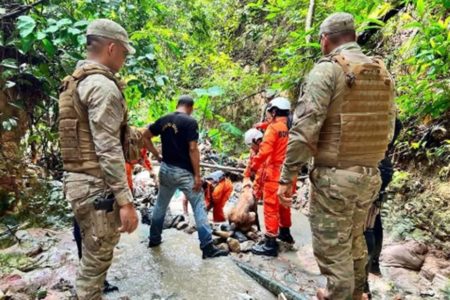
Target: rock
column 177, row 220
column 35, row 250
column 16, row 296
column 404, row 279
column 247, row 246
column 432, row 266
column 63, row 285
column 286, row 247
column 244, row 296
column 2, row 295
column 223, row 246
column 41, row 293
column 409, row 255
column 191, row 229
column 234, row 245
column 440, row 282
column 182, row 225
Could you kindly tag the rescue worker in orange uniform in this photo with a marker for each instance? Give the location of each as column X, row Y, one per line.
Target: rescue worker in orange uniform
column 253, row 138
column 262, row 126
column 143, row 161
column 217, row 192
column 272, row 152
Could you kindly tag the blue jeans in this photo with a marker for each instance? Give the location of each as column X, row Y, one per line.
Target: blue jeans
column 171, row 178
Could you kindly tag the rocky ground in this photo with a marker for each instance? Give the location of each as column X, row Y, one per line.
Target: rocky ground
column 43, row 266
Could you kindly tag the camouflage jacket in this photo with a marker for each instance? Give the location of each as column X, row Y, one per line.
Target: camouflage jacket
column 321, row 88
column 106, row 109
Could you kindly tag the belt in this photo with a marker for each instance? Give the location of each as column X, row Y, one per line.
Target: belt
column 357, row 169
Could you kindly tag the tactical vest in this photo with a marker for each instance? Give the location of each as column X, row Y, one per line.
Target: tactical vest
column 77, row 146
column 356, row 129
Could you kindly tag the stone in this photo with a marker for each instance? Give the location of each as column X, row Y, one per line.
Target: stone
column 223, row 246
column 234, row 245
column 182, row 225
column 191, row 229
column 247, row 246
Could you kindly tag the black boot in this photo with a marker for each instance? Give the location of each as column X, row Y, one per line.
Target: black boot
column 152, row 244
column 211, row 251
column 285, row 235
column 268, row 248
column 109, row 288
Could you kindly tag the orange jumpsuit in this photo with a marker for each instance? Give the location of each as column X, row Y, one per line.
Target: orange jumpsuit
column 257, row 182
column 218, row 197
column 145, row 161
column 272, row 152
column 129, row 167
column 262, row 125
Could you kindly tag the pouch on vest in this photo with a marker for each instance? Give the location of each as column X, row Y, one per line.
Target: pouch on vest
column 132, row 144
column 356, row 130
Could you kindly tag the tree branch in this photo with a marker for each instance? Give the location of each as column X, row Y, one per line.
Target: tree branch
column 20, row 10
column 364, row 37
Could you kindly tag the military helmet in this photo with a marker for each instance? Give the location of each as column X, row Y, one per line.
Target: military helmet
column 252, row 135
column 279, row 102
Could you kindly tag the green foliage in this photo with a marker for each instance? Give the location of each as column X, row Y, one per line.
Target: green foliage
column 10, row 262
column 223, row 56
column 425, row 89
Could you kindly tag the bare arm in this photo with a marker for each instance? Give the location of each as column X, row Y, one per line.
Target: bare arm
column 147, row 136
column 194, row 154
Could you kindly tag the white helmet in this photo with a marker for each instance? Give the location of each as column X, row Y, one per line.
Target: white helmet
column 279, row 102
column 252, row 135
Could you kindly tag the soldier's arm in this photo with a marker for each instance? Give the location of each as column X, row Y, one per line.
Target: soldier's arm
column 106, row 112
column 310, row 114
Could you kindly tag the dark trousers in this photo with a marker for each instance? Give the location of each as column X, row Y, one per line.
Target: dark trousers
column 374, row 236
column 374, row 240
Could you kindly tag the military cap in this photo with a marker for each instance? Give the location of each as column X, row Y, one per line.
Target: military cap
column 111, row 30
column 337, row 22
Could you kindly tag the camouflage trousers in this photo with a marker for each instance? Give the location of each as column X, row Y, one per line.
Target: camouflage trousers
column 340, row 201
column 98, row 232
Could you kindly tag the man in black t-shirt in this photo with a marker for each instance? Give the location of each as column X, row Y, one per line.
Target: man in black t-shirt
column 180, row 169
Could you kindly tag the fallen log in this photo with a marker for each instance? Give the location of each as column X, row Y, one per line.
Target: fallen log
column 222, row 168
column 271, row 285
column 210, row 166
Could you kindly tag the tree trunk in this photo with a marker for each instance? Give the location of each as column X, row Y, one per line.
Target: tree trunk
column 309, row 19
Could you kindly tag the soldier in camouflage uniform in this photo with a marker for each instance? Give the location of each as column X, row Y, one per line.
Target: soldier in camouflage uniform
column 93, row 131
column 345, row 121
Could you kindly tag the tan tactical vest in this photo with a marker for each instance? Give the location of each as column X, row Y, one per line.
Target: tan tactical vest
column 356, row 130
column 77, row 146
